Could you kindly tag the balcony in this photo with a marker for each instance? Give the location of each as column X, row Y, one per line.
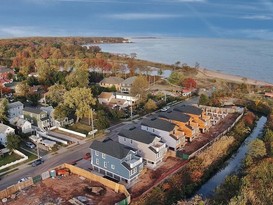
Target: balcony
column 158, row 146
column 134, row 161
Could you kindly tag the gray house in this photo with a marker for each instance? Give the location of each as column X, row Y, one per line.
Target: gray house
column 15, row 109
column 169, row 132
column 37, row 117
column 125, row 86
column 148, row 145
column 115, row 160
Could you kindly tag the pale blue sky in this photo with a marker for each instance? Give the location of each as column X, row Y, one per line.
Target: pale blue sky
column 186, row 18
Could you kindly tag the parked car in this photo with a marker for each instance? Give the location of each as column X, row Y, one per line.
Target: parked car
column 164, row 109
column 37, row 162
column 30, row 145
column 87, row 155
column 23, row 179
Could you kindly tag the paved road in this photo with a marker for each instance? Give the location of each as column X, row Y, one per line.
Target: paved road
column 74, row 153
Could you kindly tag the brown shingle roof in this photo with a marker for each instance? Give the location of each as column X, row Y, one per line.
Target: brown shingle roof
column 112, row 80
column 105, row 95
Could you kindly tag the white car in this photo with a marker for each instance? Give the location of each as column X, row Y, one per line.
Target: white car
column 164, row 109
column 23, row 179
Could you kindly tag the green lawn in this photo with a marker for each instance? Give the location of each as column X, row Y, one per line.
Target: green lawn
column 79, row 127
column 9, row 158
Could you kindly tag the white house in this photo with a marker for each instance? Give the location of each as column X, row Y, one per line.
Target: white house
column 169, row 132
column 22, row 125
column 4, row 131
column 129, row 98
column 148, row 146
column 15, row 109
column 105, row 97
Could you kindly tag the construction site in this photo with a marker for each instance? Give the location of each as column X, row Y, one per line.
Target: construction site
column 65, row 185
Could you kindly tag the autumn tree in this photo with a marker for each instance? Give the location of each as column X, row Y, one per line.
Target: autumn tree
column 140, row 87
column 189, row 83
column 55, row 94
column 61, row 112
column 176, row 78
column 78, row 78
column 45, row 72
column 13, row 141
column 3, row 109
column 80, row 100
column 150, row 105
column 22, row 89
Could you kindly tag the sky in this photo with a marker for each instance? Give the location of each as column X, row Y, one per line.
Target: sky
column 242, row 19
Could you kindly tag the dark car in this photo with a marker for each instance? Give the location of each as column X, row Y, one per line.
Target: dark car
column 37, row 162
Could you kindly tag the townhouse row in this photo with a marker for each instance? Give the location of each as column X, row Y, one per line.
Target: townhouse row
column 147, row 144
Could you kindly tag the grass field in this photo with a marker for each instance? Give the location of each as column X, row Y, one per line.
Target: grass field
column 9, row 158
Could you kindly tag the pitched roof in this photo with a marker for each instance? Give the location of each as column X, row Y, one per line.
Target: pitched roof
column 105, row 95
column 111, row 148
column 3, row 128
column 189, row 109
column 15, row 104
column 158, row 124
column 32, row 110
column 129, row 81
column 20, row 122
column 112, row 80
column 138, row 135
column 175, row 115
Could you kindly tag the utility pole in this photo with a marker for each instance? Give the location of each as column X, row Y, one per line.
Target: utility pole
column 131, row 110
column 37, row 144
column 92, row 123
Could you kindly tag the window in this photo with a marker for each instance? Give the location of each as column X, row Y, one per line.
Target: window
column 96, row 153
column 103, row 155
column 131, row 141
column 133, row 171
column 112, row 166
column 105, row 165
column 153, row 130
column 97, row 161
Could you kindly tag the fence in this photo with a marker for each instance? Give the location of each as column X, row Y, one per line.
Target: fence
column 14, row 188
column 17, row 161
column 119, row 188
column 72, row 132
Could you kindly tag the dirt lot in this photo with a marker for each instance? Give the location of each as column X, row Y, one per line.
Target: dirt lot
column 213, row 132
column 151, row 177
column 60, row 191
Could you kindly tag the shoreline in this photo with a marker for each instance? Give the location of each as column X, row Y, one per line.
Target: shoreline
column 229, row 77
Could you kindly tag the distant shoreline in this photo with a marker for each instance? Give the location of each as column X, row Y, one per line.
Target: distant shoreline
column 230, row 77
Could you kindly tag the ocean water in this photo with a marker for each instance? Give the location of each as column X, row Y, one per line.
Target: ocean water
column 246, row 58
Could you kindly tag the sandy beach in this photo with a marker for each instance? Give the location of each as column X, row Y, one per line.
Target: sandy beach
column 235, row 78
